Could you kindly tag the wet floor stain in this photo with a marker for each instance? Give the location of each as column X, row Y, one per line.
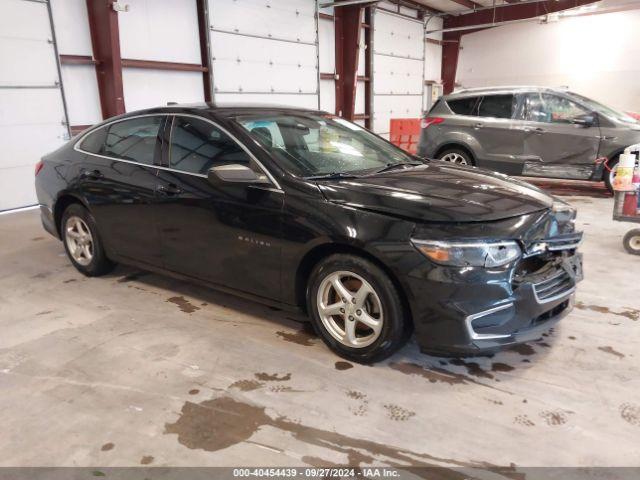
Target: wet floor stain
column 439, row 375
column 611, row 351
column 216, row 424
column 398, row 413
column 501, row 367
column 71, row 280
column 543, row 344
column 305, row 336
column 630, row 313
column 45, row 312
column 571, row 337
column 554, row 417
column 37, row 239
column 523, row 349
column 630, row 413
column 183, row 304
column 273, row 377
column 107, row 446
column 343, row 365
column 146, row 460
column 246, row 385
column 132, row 276
column 524, row 421
column 473, row 368
column 194, row 391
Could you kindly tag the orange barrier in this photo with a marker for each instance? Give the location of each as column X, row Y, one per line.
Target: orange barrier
column 405, row 133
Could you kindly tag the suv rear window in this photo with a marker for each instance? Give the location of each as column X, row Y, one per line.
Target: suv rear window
column 463, row 106
column 497, row 106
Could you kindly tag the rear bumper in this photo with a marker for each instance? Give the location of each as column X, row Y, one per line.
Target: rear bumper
column 48, row 220
column 479, row 311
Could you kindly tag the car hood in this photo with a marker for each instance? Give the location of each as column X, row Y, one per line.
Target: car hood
column 439, row 192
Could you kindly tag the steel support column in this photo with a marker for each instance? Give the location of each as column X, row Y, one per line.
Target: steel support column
column 105, row 39
column 450, row 53
column 347, row 34
column 205, row 55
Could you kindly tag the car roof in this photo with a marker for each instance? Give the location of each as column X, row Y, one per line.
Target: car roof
column 472, row 92
column 224, row 109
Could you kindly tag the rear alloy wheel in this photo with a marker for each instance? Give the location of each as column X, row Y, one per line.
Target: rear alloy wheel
column 631, row 241
column 82, row 242
column 459, row 157
column 356, row 309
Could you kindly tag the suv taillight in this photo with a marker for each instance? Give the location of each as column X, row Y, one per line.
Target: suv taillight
column 428, row 121
column 39, row 166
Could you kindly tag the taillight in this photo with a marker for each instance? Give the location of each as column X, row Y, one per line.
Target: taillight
column 427, row 122
column 39, row 166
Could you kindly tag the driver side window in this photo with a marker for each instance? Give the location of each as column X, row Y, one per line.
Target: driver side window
column 198, row 145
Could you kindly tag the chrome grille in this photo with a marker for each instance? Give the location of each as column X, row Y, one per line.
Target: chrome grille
column 556, row 286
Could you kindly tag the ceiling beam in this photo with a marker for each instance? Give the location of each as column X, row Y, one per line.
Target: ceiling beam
column 467, row 3
column 515, row 11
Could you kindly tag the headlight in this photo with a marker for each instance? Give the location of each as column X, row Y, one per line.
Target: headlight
column 469, row 254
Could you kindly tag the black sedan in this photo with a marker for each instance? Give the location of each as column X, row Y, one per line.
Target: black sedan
column 308, row 211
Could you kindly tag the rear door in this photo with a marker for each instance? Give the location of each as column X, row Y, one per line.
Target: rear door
column 556, row 146
column 228, row 234
column 118, row 179
column 500, row 136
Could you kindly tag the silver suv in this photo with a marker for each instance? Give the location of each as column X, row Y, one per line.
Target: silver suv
column 532, row 131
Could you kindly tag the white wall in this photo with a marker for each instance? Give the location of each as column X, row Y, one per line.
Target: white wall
column 595, row 55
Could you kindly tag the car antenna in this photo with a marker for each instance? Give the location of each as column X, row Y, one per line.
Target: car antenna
column 172, row 103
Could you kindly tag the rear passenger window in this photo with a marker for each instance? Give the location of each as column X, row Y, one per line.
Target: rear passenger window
column 197, row 145
column 497, row 106
column 135, row 140
column 463, row 106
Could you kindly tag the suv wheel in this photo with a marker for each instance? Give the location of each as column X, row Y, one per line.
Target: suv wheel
column 82, row 242
column 356, row 309
column 455, row 155
column 610, row 173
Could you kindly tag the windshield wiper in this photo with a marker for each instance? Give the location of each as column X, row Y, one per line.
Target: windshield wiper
column 332, row 176
column 393, row 166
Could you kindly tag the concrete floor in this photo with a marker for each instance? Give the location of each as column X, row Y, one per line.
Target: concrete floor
column 135, row 368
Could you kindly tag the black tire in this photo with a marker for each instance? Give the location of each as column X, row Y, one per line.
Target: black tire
column 631, row 241
column 606, row 174
column 99, row 263
column 396, row 326
column 466, row 159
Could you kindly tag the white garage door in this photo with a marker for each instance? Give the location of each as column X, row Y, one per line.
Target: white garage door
column 264, row 51
column 398, row 69
column 32, row 116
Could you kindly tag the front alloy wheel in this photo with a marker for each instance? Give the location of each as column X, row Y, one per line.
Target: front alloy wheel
column 356, row 309
column 350, row 309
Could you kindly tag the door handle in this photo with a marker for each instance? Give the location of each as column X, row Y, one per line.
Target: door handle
column 171, row 189
column 538, row 130
column 92, row 174
column 478, row 125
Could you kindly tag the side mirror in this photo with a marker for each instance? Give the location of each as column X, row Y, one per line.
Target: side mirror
column 235, row 173
column 587, row 120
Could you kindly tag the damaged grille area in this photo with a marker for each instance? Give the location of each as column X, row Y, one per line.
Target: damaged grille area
column 556, row 286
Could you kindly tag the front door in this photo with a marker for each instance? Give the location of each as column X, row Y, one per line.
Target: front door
column 228, row 234
column 118, row 181
column 557, row 147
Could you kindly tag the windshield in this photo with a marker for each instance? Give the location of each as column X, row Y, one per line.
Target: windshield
column 600, row 108
column 315, row 145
